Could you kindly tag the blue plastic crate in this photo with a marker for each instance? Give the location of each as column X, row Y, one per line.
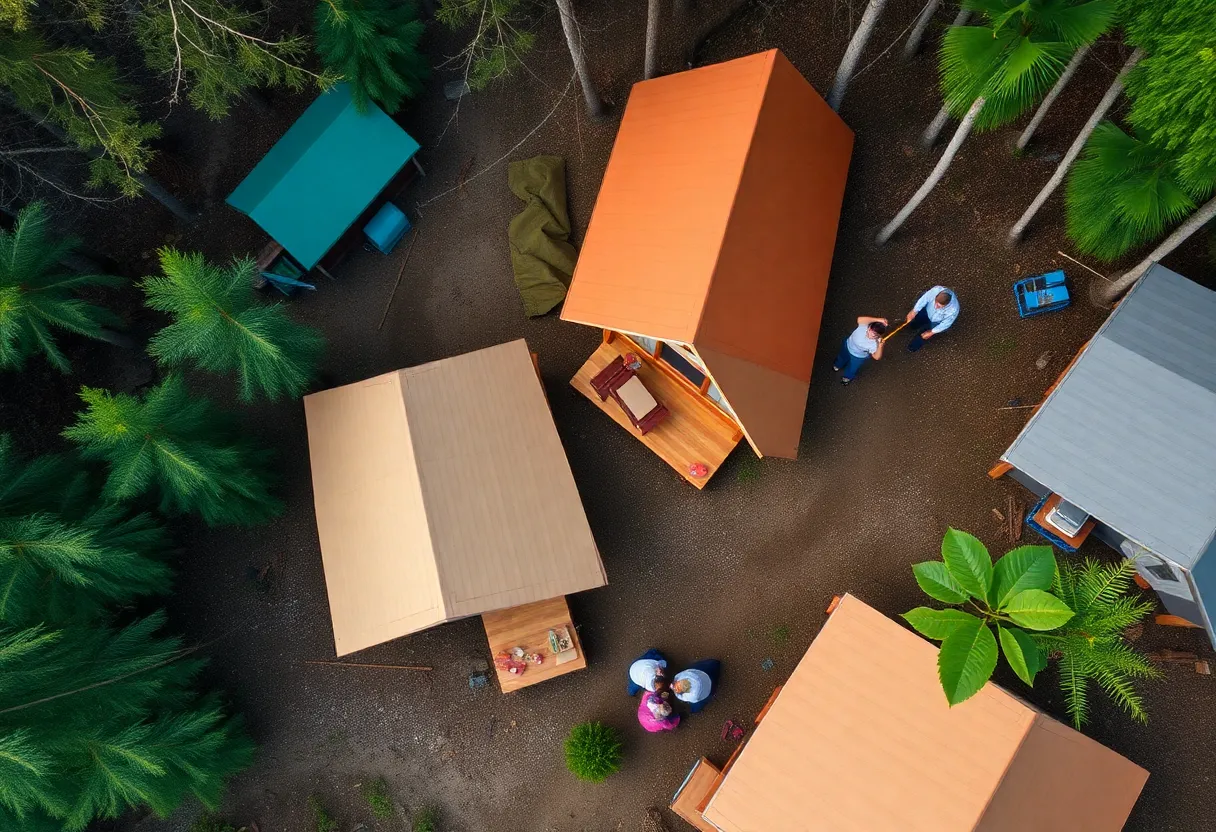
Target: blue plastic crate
column 1044, row 293
column 387, row 228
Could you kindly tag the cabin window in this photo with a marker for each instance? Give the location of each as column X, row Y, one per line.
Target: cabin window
column 716, row 395
column 1161, row 571
column 647, row 344
column 682, row 365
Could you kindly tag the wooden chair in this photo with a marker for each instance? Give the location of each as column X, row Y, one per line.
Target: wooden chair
column 627, row 390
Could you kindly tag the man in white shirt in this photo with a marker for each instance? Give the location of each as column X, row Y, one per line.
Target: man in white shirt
column 932, row 315
column 863, row 343
column 695, row 685
column 645, row 670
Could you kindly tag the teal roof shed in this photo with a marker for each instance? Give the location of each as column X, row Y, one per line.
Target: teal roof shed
column 325, row 171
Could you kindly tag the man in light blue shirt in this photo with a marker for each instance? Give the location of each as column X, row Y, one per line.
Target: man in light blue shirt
column 932, row 315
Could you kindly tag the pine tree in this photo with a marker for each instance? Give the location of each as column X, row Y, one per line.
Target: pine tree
column 82, row 97
column 180, row 448
column 94, row 721
column 220, row 326
column 499, row 42
column 36, row 293
column 373, row 45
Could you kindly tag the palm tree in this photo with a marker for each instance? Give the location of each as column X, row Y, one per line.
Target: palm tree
column 919, row 28
column 1051, row 97
column 852, row 54
column 653, row 9
column 1091, row 645
column 574, row 40
column 220, row 326
column 1112, row 92
column 38, row 295
column 996, row 71
column 1110, row 292
column 1126, row 192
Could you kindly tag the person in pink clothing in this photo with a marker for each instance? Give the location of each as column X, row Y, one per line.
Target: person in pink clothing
column 656, row 715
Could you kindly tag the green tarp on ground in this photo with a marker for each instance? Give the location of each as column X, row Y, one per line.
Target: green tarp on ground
column 541, row 254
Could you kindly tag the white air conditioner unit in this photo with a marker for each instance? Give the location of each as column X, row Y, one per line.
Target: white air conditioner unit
column 1067, row 518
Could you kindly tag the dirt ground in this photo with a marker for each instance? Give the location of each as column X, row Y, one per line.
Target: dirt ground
column 885, row 465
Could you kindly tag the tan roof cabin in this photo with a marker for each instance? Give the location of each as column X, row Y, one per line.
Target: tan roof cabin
column 708, row 254
column 443, row 491
column 861, row 738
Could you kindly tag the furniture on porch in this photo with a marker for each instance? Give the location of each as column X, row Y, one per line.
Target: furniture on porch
column 528, row 626
column 326, row 178
column 622, row 383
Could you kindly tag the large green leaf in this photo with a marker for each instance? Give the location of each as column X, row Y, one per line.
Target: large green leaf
column 1023, row 655
column 1035, row 609
column 966, row 660
column 968, row 562
column 1026, row 567
column 936, row 624
column 937, row 583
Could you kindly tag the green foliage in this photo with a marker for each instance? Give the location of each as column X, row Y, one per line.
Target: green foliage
column 220, row 326
column 82, row 96
column 1009, row 597
column 378, row 799
column 427, row 820
column 593, row 751
column 217, row 50
column 1173, row 88
column 94, row 721
column 1015, row 56
column 210, row 823
column 38, row 295
column 1124, row 193
column 322, row 820
column 180, row 448
column 500, row 37
column 373, row 46
column 1091, row 647
column 15, row 13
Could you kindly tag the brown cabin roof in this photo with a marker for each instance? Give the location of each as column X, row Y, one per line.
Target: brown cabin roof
column 861, row 738
column 715, row 226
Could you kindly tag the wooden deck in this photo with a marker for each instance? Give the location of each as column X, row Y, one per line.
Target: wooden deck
column 528, row 626
column 696, row 431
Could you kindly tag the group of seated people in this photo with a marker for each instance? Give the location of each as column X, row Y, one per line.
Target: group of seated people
column 692, row 686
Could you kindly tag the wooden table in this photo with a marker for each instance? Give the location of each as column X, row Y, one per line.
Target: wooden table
column 528, row 626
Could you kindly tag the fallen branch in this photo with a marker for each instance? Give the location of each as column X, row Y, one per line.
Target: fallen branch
column 400, row 272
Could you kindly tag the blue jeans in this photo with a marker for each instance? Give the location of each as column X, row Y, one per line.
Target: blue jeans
column 713, row 669
column 848, row 362
column 919, row 324
column 649, row 654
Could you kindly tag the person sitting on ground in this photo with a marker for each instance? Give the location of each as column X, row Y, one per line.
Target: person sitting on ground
column 695, row 685
column 644, row 670
column 862, row 343
column 655, row 713
column 934, row 313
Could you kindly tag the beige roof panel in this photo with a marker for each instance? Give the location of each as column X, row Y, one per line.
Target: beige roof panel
column 443, row 491
column 862, row 738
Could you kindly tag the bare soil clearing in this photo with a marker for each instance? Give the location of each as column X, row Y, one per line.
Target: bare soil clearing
column 742, row 571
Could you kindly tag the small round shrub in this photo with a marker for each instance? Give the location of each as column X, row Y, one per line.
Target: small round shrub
column 593, row 751
column 427, row 820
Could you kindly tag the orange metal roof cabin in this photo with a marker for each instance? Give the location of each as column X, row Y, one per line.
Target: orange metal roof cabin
column 861, row 738
column 714, row 229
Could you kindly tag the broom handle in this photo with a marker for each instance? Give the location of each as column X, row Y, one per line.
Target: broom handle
column 892, row 332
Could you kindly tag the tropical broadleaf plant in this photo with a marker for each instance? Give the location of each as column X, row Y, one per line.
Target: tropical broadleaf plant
column 220, row 326
column 1002, row 605
column 180, row 448
column 1091, row 646
column 1125, row 192
column 1015, row 54
column 38, row 295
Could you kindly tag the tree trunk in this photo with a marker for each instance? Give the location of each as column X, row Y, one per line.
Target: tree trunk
column 935, row 177
column 857, row 45
column 1111, row 291
column 1019, row 228
column 653, row 10
column 919, row 28
column 929, row 137
column 1040, row 113
column 574, row 40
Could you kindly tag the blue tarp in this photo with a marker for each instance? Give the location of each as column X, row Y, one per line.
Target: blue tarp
column 325, row 171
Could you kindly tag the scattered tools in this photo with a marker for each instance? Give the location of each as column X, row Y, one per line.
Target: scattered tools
column 1173, row 656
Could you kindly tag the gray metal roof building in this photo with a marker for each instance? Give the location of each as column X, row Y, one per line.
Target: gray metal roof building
column 1129, row 433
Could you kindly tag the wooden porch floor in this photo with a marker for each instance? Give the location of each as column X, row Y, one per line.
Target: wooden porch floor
column 696, row 431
